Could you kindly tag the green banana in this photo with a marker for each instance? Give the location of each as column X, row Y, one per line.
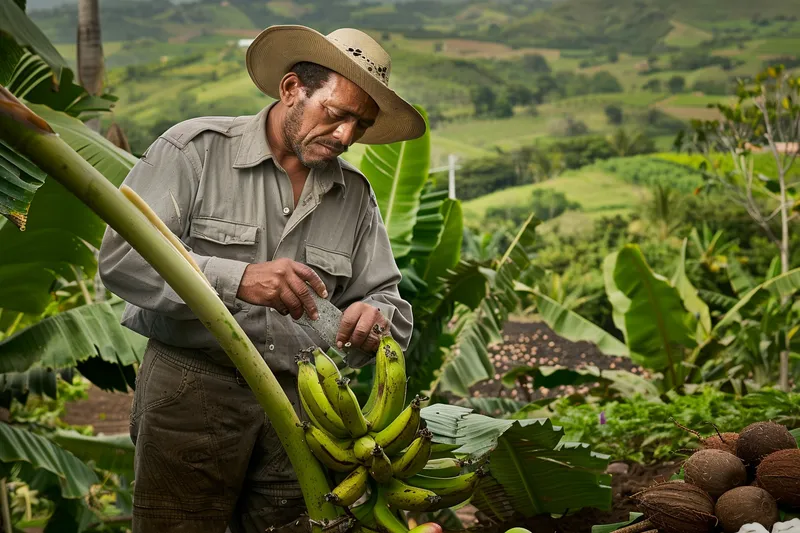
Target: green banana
column 390, row 401
column 378, row 378
column 408, row 497
column 447, row 485
column 453, row 491
column 363, row 512
column 350, row 489
column 332, row 454
column 444, row 467
column 415, row 457
column 319, row 408
column 350, row 412
column 385, row 518
column 363, row 448
column 328, row 373
column 381, row 467
column 402, row 431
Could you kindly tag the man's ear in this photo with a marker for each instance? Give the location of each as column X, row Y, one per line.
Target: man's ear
column 291, row 89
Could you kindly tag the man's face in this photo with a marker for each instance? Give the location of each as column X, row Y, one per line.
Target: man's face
column 322, row 126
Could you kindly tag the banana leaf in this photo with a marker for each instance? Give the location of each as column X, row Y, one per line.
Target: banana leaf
column 14, row 22
column 531, row 470
column 397, row 173
column 22, row 446
column 58, row 224
column 447, row 251
column 19, row 181
column 784, row 285
column 491, row 406
column 429, row 224
column 573, row 327
column 657, row 326
column 691, row 298
column 107, row 452
column 37, row 381
column 67, row 338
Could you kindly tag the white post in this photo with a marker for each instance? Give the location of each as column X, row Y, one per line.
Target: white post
column 451, row 161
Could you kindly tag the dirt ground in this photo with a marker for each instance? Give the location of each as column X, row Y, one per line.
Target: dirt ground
column 523, row 344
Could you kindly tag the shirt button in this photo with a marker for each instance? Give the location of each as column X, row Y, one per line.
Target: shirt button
column 286, row 210
column 271, row 347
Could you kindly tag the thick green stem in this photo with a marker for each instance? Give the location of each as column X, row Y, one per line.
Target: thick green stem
column 32, row 137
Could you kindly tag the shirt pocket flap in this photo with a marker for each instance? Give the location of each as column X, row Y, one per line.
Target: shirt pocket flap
column 334, row 263
column 223, row 231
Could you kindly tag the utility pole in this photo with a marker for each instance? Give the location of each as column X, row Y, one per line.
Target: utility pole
column 451, row 179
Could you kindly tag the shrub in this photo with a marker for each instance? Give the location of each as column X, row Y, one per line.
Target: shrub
column 650, row 171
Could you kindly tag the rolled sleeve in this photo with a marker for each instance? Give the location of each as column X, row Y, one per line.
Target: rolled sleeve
column 225, row 275
column 376, row 276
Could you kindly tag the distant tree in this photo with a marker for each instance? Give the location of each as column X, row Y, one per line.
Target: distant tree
column 519, row 95
column 569, row 127
column 614, row 114
column 386, row 36
column 613, row 55
column 625, row 144
column 483, row 99
column 676, row 84
column 605, row 82
column 503, row 108
column 544, row 85
column 438, row 46
column 651, row 62
column 535, row 63
column 653, row 84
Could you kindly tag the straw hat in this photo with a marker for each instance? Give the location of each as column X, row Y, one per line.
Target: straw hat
column 351, row 53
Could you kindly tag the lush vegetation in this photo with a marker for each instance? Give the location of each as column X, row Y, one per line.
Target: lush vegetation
column 572, row 209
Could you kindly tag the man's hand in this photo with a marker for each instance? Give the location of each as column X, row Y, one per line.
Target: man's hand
column 362, row 326
column 281, row 284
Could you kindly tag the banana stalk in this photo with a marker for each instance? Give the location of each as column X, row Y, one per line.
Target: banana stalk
column 31, row 136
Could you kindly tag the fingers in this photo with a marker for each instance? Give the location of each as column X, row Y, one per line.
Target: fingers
column 364, row 327
column 303, row 293
column 292, row 303
column 349, row 321
column 306, row 273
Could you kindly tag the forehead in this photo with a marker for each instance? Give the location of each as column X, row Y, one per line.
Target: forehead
column 347, row 96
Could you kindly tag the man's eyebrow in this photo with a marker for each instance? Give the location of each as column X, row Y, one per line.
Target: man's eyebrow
column 368, row 122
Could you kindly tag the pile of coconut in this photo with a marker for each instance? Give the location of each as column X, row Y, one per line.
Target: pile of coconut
column 733, row 480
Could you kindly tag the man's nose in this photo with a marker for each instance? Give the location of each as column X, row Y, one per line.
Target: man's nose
column 346, row 132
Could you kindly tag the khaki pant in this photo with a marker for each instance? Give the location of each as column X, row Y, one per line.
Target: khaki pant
column 207, row 458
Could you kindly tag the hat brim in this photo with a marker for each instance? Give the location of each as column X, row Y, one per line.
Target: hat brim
column 278, row 48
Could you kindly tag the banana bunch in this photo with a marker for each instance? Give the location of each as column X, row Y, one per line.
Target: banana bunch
column 382, row 449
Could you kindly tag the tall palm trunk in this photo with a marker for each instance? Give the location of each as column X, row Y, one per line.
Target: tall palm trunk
column 90, row 51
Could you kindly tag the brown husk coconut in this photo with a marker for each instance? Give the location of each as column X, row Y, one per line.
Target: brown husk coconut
column 715, row 471
column 678, row 507
column 758, row 440
column 723, row 441
column 779, row 474
column 746, row 505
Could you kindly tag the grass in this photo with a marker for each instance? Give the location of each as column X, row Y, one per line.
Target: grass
column 787, row 45
column 686, row 35
column 599, row 194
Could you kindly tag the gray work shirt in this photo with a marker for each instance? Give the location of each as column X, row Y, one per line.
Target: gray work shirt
column 215, row 184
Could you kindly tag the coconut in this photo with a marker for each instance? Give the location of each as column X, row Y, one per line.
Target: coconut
column 715, row 471
column 722, row 441
column 746, row 505
column 779, row 474
column 678, row 507
column 758, row 440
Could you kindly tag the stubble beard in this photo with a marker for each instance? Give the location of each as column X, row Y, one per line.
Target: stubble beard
column 291, row 137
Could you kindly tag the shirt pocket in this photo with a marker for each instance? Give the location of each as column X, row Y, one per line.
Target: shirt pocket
column 333, row 267
column 229, row 239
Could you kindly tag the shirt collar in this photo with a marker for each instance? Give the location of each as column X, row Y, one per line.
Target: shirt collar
column 254, row 149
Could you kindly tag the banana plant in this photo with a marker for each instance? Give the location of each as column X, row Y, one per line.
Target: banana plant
column 32, row 137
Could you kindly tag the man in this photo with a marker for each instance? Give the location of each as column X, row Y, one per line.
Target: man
column 270, row 213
